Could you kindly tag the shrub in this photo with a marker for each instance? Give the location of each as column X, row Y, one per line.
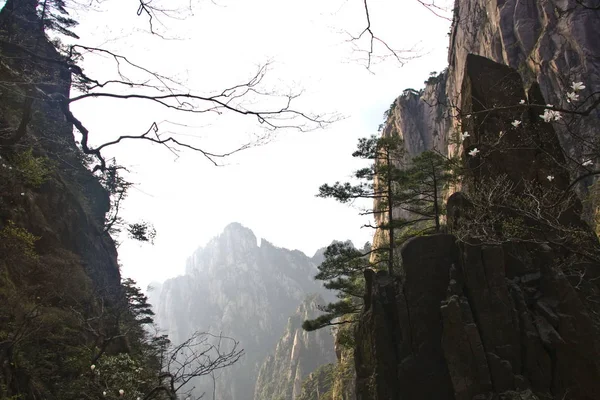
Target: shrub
column 33, row 170
column 17, row 242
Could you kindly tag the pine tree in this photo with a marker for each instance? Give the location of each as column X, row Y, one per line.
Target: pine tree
column 420, row 195
column 342, row 271
column 378, row 182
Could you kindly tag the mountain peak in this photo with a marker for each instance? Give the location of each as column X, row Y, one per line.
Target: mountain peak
column 235, row 230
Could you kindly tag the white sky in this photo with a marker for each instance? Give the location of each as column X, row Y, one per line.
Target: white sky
column 270, row 189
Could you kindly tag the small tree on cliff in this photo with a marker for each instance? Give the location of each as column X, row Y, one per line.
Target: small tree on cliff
column 378, row 182
column 405, row 194
column 421, row 194
column 342, row 271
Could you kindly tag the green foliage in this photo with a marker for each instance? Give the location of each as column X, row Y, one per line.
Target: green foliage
column 319, row 384
column 415, row 188
column 434, row 77
column 332, row 311
column 342, row 271
column 345, row 337
column 55, row 17
column 142, row 232
column 389, row 111
column 137, row 302
column 420, row 194
column 17, row 243
column 118, row 188
column 33, row 170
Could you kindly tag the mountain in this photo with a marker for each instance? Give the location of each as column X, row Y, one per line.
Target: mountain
column 244, row 290
column 502, row 319
column 297, row 354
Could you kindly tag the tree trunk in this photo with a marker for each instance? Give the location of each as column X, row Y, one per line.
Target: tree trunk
column 390, row 214
column 436, row 210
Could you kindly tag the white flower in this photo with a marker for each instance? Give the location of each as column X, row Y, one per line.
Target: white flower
column 22, row 194
column 92, row 367
column 577, row 86
column 522, row 102
column 546, row 116
column 10, row 168
column 572, row 96
column 587, row 163
column 4, row 165
column 465, row 135
column 550, row 177
column 516, row 123
column 474, row 152
column 551, row 115
column 103, row 393
column 501, row 133
column 121, row 392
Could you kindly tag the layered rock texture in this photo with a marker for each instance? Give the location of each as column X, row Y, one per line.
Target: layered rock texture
column 244, row 290
column 57, row 263
column 469, row 319
column 67, row 211
column 318, row 385
column 298, row 353
column 461, row 324
column 551, row 43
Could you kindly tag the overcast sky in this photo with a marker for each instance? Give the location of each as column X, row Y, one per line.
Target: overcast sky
column 270, row 189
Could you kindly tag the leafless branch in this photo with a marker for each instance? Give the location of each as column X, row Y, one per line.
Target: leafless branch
column 373, row 39
column 435, row 9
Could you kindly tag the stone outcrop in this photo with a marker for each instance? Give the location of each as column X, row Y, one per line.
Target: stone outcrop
column 551, row 43
column 343, row 385
column 67, row 211
column 242, row 289
column 460, row 324
column 466, row 320
column 57, row 263
column 297, row 354
column 318, row 385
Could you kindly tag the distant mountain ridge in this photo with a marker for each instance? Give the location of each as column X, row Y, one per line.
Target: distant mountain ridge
column 298, row 353
column 242, row 289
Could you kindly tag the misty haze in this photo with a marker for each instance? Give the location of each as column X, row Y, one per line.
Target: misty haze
column 317, row 200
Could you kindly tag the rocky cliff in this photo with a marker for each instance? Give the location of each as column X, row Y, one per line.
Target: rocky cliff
column 57, row 264
column 551, row 43
column 479, row 317
column 242, row 289
column 548, row 42
column 463, row 325
column 297, row 354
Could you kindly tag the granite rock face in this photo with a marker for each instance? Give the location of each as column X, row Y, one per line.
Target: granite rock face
column 297, row 354
column 460, row 324
column 67, row 211
column 243, row 290
column 549, row 43
column 465, row 320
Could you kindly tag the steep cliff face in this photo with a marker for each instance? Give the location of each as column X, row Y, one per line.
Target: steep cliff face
column 510, row 319
column 317, row 386
column 56, row 262
column 548, row 42
column 68, row 210
column 344, row 377
column 463, row 324
column 298, row 353
column 244, row 290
